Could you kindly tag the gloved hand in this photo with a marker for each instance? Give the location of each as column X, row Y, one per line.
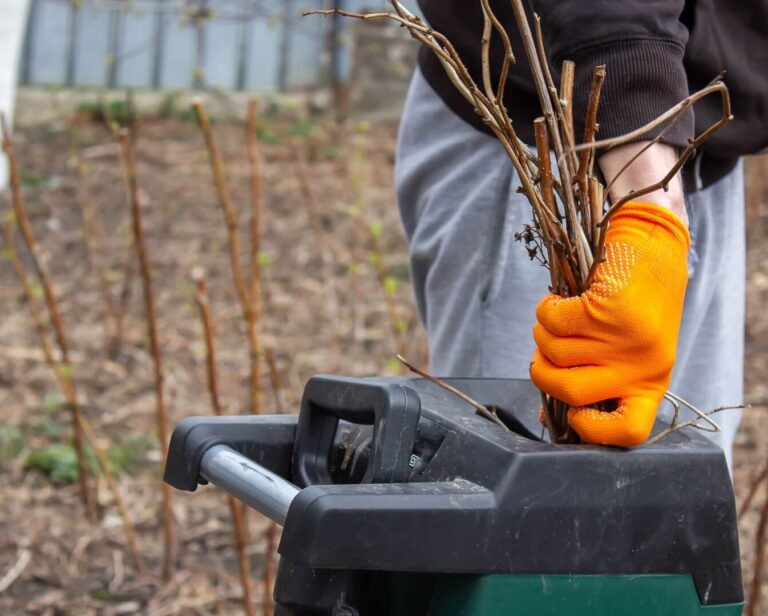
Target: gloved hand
column 618, row 339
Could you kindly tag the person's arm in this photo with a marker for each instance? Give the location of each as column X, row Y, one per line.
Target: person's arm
column 640, row 42
column 649, row 168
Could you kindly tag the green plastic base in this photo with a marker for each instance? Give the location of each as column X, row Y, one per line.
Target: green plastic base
column 566, row 595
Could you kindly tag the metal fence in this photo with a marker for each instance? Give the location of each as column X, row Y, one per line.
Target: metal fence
column 261, row 45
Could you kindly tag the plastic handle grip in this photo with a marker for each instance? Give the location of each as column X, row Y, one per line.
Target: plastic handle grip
column 248, row 481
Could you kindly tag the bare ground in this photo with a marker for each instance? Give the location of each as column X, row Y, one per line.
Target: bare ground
column 324, row 311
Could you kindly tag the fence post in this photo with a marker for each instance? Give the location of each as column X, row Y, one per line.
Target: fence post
column 158, row 49
column 285, row 46
column 115, row 48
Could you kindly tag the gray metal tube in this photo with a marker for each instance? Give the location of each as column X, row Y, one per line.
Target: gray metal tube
column 248, row 481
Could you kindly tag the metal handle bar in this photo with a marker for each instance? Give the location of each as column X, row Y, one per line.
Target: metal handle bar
column 248, row 481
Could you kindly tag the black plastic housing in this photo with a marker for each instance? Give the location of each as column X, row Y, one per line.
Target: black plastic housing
column 446, row 491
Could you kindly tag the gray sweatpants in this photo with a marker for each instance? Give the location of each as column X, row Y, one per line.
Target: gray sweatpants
column 477, row 290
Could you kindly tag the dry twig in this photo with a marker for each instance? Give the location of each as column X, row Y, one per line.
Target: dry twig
column 481, row 408
column 268, row 604
column 241, row 541
column 760, row 478
column 706, row 417
column 51, row 303
column 95, row 238
column 254, row 162
column 161, row 416
column 63, row 375
column 230, row 219
column 761, row 539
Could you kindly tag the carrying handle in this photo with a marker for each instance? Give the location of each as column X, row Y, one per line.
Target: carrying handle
column 390, row 407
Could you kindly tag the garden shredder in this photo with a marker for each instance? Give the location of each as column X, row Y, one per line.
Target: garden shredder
column 396, row 498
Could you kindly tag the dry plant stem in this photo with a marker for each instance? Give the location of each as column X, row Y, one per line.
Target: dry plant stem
column 237, row 510
column 481, row 408
column 122, row 307
column 310, row 201
column 761, row 538
column 230, row 219
column 95, row 238
column 254, row 163
column 271, row 545
column 694, row 143
column 548, row 196
column 325, row 248
column 546, row 105
column 669, row 115
column 203, row 305
column 10, row 576
column 590, row 129
column 672, row 122
column 596, row 201
column 63, row 377
column 313, row 208
column 692, row 423
column 274, row 378
column 549, row 418
column 393, row 316
column 761, row 477
column 509, row 56
column 567, row 74
column 268, row 605
column 557, row 100
column 211, row 373
column 51, row 303
column 161, row 416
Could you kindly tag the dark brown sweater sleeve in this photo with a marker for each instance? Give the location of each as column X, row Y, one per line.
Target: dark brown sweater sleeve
column 641, row 42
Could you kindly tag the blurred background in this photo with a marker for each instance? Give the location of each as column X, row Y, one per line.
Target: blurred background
column 332, row 261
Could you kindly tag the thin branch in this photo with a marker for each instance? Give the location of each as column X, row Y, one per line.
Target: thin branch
column 274, row 379
column 268, row 604
column 377, row 259
column 582, row 248
column 204, row 310
column 24, row 558
column 161, row 415
column 485, row 46
column 683, row 158
column 95, row 238
column 230, row 220
column 51, row 303
column 590, row 129
column 681, row 107
column 761, row 539
column 753, row 488
column 596, row 200
column 561, row 117
column 692, row 423
column 481, row 408
column 567, row 74
column 254, row 161
column 122, row 306
column 203, row 306
column 62, row 374
column 509, row 56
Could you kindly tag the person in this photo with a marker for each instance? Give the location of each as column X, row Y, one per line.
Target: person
column 478, row 293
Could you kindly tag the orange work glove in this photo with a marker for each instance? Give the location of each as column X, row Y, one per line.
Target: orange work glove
column 618, row 339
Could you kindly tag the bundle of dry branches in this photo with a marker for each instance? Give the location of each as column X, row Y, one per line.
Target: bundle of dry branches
column 570, row 216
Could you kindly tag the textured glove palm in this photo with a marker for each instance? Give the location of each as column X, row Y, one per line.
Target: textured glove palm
column 618, row 339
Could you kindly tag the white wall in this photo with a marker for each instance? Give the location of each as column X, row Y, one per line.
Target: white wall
column 13, row 17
